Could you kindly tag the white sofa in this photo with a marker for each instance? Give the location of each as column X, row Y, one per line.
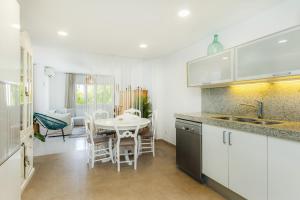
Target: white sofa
column 66, row 117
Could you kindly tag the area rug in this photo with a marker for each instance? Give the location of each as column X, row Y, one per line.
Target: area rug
column 78, row 131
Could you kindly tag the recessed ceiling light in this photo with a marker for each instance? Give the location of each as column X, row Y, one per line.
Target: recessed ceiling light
column 143, row 46
column 62, row 33
column 282, row 41
column 184, row 13
column 16, row 26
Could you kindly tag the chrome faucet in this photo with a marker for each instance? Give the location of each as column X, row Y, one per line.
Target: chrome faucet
column 259, row 108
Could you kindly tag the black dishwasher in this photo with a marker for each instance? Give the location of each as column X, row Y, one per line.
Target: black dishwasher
column 189, row 147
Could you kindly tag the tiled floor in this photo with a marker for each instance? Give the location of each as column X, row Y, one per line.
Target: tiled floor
column 67, row 176
column 55, row 145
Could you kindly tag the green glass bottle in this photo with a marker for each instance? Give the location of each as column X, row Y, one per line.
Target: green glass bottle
column 215, row 46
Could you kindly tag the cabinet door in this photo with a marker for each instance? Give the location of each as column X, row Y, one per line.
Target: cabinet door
column 272, row 56
column 215, row 154
column 248, row 165
column 211, row 69
column 284, row 166
column 10, row 41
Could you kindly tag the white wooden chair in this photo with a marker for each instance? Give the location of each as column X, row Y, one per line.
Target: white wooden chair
column 102, row 114
column 126, row 140
column 133, row 111
column 147, row 140
column 99, row 148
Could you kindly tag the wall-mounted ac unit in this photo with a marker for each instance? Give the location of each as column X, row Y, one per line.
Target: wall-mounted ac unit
column 49, row 71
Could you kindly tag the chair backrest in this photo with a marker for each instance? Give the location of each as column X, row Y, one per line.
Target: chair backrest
column 89, row 127
column 100, row 114
column 133, row 111
column 153, row 122
column 127, row 133
column 87, row 121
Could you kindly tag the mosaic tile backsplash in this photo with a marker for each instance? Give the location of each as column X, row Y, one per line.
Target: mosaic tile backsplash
column 281, row 100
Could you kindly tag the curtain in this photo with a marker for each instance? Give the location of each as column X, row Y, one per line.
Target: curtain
column 70, row 91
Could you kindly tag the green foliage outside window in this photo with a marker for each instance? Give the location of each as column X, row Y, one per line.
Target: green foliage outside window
column 79, row 94
column 104, row 94
column 90, row 94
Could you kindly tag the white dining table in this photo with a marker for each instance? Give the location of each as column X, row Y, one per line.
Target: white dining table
column 123, row 123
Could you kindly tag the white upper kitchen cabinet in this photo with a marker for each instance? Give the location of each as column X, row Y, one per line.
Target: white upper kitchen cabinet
column 284, row 169
column 215, row 153
column 248, row 165
column 212, row 69
column 9, row 41
column 272, row 56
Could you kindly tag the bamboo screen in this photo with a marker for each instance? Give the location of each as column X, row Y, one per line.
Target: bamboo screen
column 130, row 98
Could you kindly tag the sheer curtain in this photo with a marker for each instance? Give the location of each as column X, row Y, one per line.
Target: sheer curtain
column 70, row 91
column 93, row 92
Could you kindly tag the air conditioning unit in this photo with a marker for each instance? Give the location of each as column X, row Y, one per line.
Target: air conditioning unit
column 49, row 71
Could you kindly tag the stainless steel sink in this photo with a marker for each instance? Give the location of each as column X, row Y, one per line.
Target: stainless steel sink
column 269, row 122
column 248, row 120
column 223, row 118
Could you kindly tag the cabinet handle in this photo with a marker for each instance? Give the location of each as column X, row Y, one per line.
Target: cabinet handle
column 229, row 138
column 224, row 139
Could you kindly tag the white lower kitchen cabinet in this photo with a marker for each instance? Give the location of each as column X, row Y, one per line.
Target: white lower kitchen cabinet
column 215, row 154
column 237, row 160
column 284, row 169
column 248, row 165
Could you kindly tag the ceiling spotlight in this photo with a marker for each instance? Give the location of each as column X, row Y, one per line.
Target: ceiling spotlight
column 282, row 41
column 225, row 58
column 16, row 26
column 143, row 46
column 62, row 33
column 184, row 13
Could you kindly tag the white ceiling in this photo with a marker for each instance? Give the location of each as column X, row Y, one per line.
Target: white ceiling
column 117, row 27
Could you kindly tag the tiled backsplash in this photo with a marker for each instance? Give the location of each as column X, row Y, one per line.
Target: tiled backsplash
column 281, row 100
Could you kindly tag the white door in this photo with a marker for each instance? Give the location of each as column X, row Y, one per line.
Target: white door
column 272, row 56
column 248, row 165
column 211, row 69
column 215, row 153
column 284, row 169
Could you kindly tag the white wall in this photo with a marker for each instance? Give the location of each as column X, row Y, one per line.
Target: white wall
column 40, row 90
column 169, row 74
column 127, row 71
column 57, row 91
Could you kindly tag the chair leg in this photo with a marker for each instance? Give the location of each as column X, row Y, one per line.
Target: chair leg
column 118, row 158
column 93, row 156
column 135, row 155
column 110, row 150
column 62, row 131
column 87, row 150
column 139, row 145
column 46, row 133
column 153, row 146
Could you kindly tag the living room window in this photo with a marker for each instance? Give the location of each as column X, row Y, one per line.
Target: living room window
column 93, row 92
column 80, row 94
column 104, row 94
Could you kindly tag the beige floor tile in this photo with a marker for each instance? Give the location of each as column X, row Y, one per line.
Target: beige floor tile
column 67, row 177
